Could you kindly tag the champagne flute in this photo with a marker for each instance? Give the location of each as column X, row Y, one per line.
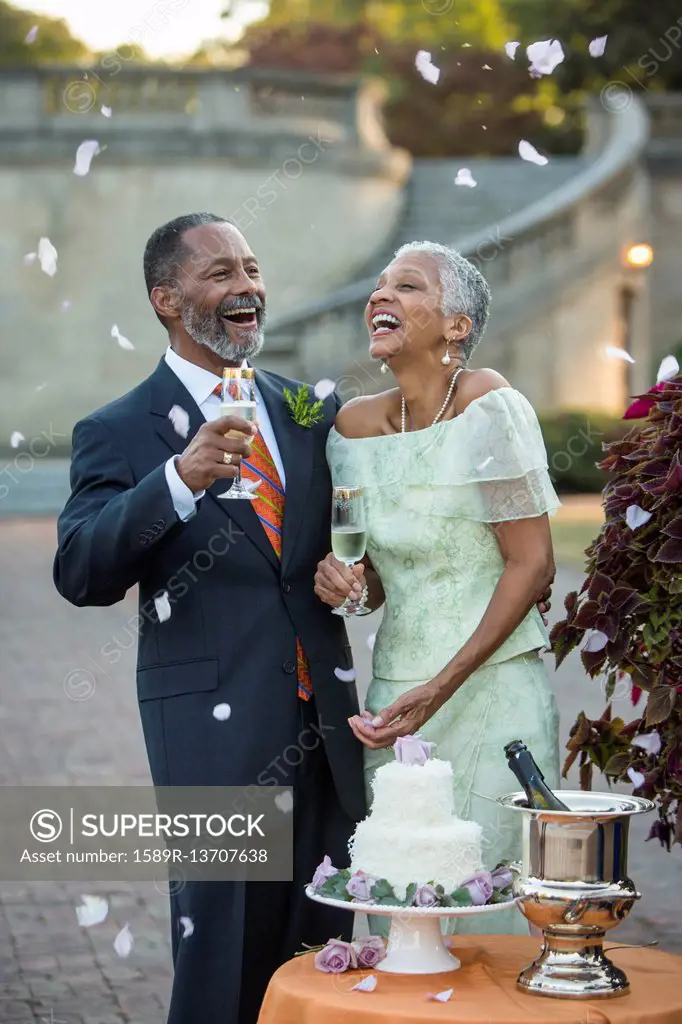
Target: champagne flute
column 349, row 538
column 233, row 377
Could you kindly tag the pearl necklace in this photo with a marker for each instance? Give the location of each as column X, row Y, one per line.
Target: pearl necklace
column 439, row 414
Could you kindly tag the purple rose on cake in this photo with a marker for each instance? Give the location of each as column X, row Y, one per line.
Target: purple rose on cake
column 425, row 896
column 480, row 887
column 323, row 872
column 412, row 750
column 502, row 877
column 359, row 887
column 336, row 957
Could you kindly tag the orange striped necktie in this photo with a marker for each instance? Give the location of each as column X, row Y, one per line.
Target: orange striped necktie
column 268, row 505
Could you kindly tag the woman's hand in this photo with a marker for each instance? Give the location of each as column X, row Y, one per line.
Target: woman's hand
column 335, row 582
column 412, row 710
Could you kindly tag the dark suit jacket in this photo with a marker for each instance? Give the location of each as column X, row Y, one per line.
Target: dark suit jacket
column 235, row 610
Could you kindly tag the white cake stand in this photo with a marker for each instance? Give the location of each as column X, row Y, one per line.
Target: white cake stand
column 415, row 941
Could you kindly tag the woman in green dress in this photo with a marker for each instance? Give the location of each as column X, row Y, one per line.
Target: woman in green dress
column 457, row 497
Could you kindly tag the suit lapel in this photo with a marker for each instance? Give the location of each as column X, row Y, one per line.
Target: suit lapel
column 167, row 391
column 295, row 445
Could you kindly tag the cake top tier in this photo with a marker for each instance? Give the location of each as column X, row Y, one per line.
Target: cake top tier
column 418, row 794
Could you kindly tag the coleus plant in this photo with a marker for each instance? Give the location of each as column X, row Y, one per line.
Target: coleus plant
column 629, row 612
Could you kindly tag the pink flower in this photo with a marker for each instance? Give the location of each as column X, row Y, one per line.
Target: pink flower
column 412, row 750
column 336, row 957
column 359, row 887
column 425, row 896
column 323, row 871
column 642, row 405
column 480, row 887
column 370, row 951
column 502, row 877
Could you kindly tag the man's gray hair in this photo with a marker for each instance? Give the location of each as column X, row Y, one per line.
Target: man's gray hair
column 464, row 288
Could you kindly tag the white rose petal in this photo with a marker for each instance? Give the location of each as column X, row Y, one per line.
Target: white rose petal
column 30, row 258
column 285, row 801
column 669, row 368
column 180, row 420
column 346, row 675
column 324, row 388
column 42, row 386
column 163, row 608
column 510, row 49
column 371, row 640
column 649, row 742
column 597, row 46
column 530, row 153
column 123, row 342
column 188, row 926
column 464, row 177
column 47, row 254
column 107, row 111
column 482, row 465
column 545, row 56
column 16, row 439
column 486, row 67
column 426, row 69
column 636, row 778
column 596, row 641
column 445, row 996
column 124, row 941
column 222, row 712
column 93, row 910
column 367, row 984
column 84, row 154
column 31, row 35
column 635, row 516
column 614, row 352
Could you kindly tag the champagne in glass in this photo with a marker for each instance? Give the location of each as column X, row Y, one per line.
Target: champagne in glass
column 349, row 538
column 240, row 406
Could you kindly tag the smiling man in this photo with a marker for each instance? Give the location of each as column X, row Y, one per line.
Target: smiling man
column 246, row 630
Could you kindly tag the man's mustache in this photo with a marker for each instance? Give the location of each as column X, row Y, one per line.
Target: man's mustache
column 242, row 303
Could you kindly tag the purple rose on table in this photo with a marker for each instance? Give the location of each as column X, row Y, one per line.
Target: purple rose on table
column 359, row 887
column 502, row 877
column 336, row 957
column 323, row 872
column 370, row 950
column 412, row 750
column 425, row 896
column 480, row 887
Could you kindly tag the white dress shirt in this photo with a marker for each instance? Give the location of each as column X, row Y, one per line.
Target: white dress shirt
column 201, row 384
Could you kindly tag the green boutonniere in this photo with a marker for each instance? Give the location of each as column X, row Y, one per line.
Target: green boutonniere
column 301, row 409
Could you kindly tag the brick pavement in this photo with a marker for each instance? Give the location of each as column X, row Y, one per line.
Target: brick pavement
column 67, row 716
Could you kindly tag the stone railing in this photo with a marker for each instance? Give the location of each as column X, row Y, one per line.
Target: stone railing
column 164, row 112
column 530, row 259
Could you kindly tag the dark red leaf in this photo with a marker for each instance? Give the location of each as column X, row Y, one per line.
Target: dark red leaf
column 599, row 584
column 659, row 705
column 635, row 694
column 674, row 529
column 587, row 615
column 608, row 624
column 669, row 551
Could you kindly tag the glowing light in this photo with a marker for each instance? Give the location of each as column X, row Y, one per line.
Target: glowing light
column 639, row 255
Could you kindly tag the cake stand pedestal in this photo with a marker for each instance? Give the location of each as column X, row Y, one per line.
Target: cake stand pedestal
column 415, row 942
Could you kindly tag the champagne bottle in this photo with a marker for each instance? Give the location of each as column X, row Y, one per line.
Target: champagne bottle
column 537, row 791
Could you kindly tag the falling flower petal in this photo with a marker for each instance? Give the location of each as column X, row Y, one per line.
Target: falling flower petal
column 544, row 56
column 464, row 177
column 188, row 926
column 93, row 910
column 669, row 368
column 16, row 439
column 222, row 712
column 346, row 675
column 485, row 463
column 47, row 254
column 511, row 48
column 649, row 742
column 426, row 69
column 107, row 111
column 42, row 386
column 285, row 801
column 371, row 640
column 180, row 420
column 636, row 778
column 367, row 984
column 124, row 942
column 324, row 388
column 123, row 342
column 163, row 608
column 446, row 996
column 84, row 154
column 31, row 36
column 65, row 305
column 597, row 46
column 636, row 516
column 530, row 153
column 30, row 258
column 486, row 67
column 596, row 641
column 614, row 352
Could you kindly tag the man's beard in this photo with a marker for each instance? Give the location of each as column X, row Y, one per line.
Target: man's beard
column 208, row 329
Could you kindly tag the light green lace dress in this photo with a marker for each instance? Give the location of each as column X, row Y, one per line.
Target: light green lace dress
column 430, row 497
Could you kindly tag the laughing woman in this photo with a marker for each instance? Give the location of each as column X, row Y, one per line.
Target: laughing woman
column 457, row 497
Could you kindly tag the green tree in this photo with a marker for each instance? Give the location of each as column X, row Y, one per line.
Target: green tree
column 53, row 44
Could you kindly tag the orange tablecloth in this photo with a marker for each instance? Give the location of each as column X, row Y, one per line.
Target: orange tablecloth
column 484, row 991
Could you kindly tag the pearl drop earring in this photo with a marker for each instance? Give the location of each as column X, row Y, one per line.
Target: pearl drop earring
column 446, row 360
column 384, row 367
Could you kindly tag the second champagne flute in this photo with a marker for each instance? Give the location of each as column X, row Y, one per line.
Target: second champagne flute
column 239, row 406
column 349, row 538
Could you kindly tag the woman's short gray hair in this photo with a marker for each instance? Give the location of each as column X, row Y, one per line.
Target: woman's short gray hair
column 464, row 288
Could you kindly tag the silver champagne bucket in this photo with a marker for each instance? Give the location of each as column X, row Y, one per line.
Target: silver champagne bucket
column 573, row 884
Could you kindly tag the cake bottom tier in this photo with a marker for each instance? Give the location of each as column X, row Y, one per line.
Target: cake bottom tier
column 444, row 855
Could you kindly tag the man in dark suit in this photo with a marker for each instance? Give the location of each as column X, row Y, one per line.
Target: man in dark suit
column 246, row 629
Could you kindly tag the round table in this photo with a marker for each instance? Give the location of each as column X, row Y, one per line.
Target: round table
column 484, row 991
